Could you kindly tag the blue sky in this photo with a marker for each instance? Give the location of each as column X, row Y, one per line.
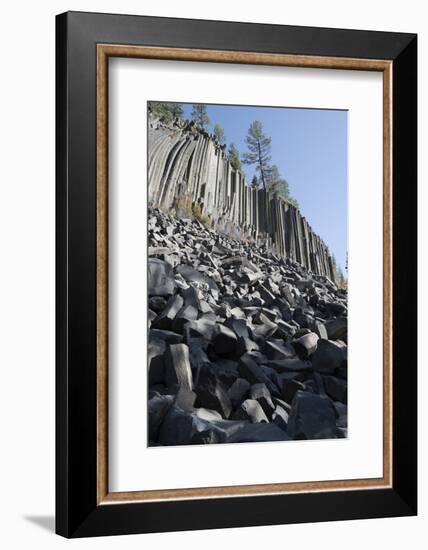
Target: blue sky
column 309, row 146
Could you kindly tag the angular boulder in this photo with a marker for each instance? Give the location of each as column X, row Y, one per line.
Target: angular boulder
column 160, row 278
column 177, row 367
column 312, row 416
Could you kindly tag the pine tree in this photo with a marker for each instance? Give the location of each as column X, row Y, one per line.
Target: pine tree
column 293, row 201
column 234, row 159
column 259, row 146
column 219, row 134
column 167, row 111
column 275, row 183
column 255, row 182
column 200, row 115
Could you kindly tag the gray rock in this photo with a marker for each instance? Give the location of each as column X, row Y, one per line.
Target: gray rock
column 177, row 367
column 192, row 276
column 238, row 391
column 160, row 278
column 280, row 351
column 212, row 394
column 250, row 410
column 280, row 417
column 167, row 315
column 254, row 373
column 261, row 394
column 157, row 303
column 186, row 313
column 207, row 414
column 265, row 329
column 238, row 326
column 320, row 329
column 166, row 335
column 306, row 345
column 201, row 328
column 245, row 345
column 337, row 329
column 185, row 399
column 341, row 414
column 290, row 365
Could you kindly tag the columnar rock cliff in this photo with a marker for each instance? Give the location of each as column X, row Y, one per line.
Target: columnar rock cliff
column 187, row 163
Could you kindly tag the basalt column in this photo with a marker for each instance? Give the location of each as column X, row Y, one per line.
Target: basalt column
column 186, row 162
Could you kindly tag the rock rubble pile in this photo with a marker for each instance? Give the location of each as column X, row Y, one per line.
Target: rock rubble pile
column 244, row 345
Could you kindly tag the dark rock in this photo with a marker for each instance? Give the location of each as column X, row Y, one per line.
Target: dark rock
column 341, row 414
column 320, row 329
column 238, row 391
column 187, row 313
column 177, row 367
column 280, row 417
column 155, row 351
column 224, row 340
column 183, row 428
column 157, row 303
column 312, row 416
column 306, row 345
column 167, row 315
column 336, row 388
column 190, row 297
column 158, row 408
column 238, row 326
column 301, row 332
column 167, row 336
column 245, row 345
column 192, row 276
column 209, row 435
column 290, row 365
column 265, row 329
column 328, row 357
column 261, row 394
column 212, row 394
column 254, row 373
column 337, row 329
column 279, row 350
column 258, row 433
column 250, row 410
column 303, row 319
column 282, row 404
column 200, row 328
column 336, row 308
column 284, row 330
column 150, row 316
column 290, row 388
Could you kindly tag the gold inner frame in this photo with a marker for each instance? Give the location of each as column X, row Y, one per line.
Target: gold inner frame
column 104, row 51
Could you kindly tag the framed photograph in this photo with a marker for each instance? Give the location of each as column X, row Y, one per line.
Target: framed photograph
column 236, row 274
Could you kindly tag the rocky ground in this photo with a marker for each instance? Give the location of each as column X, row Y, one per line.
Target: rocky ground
column 243, row 345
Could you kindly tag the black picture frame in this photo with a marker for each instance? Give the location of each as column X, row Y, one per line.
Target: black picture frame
column 77, row 512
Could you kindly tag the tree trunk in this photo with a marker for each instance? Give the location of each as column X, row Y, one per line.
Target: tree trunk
column 262, row 175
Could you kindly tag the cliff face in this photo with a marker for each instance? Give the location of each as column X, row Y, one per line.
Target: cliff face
column 187, row 163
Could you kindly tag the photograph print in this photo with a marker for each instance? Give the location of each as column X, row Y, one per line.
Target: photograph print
column 247, row 273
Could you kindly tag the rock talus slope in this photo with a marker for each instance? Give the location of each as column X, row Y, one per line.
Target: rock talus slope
column 244, row 344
